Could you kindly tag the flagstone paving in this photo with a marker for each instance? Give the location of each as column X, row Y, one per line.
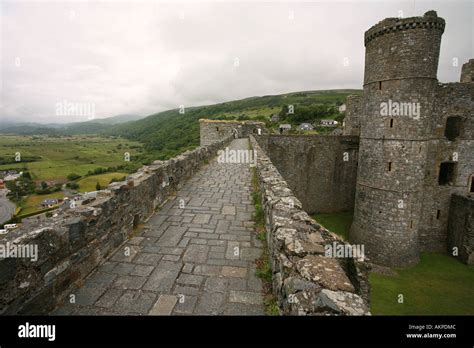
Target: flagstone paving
column 195, row 256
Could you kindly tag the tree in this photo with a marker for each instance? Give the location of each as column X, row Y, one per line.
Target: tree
column 97, row 186
column 72, row 185
column 73, row 176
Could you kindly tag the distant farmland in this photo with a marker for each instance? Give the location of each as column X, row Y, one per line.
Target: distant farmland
column 61, row 156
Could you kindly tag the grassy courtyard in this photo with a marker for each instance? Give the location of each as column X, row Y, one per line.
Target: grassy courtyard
column 439, row 284
column 339, row 223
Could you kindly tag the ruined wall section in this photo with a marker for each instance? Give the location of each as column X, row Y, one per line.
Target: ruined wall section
column 305, row 281
column 320, row 170
column 216, row 130
column 75, row 242
column 452, row 100
column 467, row 72
column 354, row 113
column 461, row 227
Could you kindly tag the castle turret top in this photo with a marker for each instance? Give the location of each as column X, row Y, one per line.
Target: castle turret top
column 429, row 20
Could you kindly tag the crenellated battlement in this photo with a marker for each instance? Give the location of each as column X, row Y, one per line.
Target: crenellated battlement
column 390, row 25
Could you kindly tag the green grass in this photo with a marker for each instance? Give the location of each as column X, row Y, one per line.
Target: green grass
column 252, row 113
column 61, row 156
column 339, row 223
column 88, row 184
column 33, row 202
column 263, row 269
column 439, row 284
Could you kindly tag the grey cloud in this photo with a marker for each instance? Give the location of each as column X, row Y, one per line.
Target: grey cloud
column 144, row 57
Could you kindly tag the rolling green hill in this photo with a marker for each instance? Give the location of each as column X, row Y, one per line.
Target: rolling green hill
column 168, row 133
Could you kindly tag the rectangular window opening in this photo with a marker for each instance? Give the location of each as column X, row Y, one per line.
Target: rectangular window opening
column 391, row 123
column 472, row 184
column 438, row 214
column 446, row 173
column 380, row 85
column 453, row 127
column 389, row 166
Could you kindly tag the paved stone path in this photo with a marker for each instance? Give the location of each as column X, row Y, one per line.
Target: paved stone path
column 195, row 256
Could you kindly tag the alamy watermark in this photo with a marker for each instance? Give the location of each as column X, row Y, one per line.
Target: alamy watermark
column 23, row 251
column 394, row 108
column 66, row 108
column 237, row 156
column 37, row 331
column 338, row 250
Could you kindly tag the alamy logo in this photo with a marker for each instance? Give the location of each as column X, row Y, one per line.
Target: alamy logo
column 27, row 251
column 66, row 108
column 237, row 156
column 393, row 108
column 37, row 331
column 338, row 250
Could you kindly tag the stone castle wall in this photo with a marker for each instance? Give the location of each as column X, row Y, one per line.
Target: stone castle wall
column 305, row 281
column 75, row 242
column 453, row 99
column 354, row 113
column 216, row 130
column 467, row 72
column 401, row 208
column 461, row 228
column 320, row 170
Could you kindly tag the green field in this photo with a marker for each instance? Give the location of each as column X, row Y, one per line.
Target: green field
column 89, row 183
column 33, row 202
column 252, row 112
column 64, row 155
column 439, row 284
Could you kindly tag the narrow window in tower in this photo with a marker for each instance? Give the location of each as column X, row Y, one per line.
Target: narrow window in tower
column 380, row 85
column 453, row 127
column 389, row 166
column 438, row 214
column 217, row 128
column 446, row 173
column 391, row 123
column 411, row 224
column 136, row 220
column 471, row 189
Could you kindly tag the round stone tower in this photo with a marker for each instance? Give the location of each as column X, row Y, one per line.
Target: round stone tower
column 400, row 81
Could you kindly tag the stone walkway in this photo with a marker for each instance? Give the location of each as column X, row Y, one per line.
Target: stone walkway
column 195, row 256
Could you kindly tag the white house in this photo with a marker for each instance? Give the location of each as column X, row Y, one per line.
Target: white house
column 328, row 123
column 284, row 127
column 306, row 126
column 11, row 177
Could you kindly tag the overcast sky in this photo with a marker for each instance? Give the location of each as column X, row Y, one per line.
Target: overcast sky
column 124, row 57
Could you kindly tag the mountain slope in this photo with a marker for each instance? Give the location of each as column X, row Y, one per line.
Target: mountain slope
column 88, row 127
column 168, row 133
